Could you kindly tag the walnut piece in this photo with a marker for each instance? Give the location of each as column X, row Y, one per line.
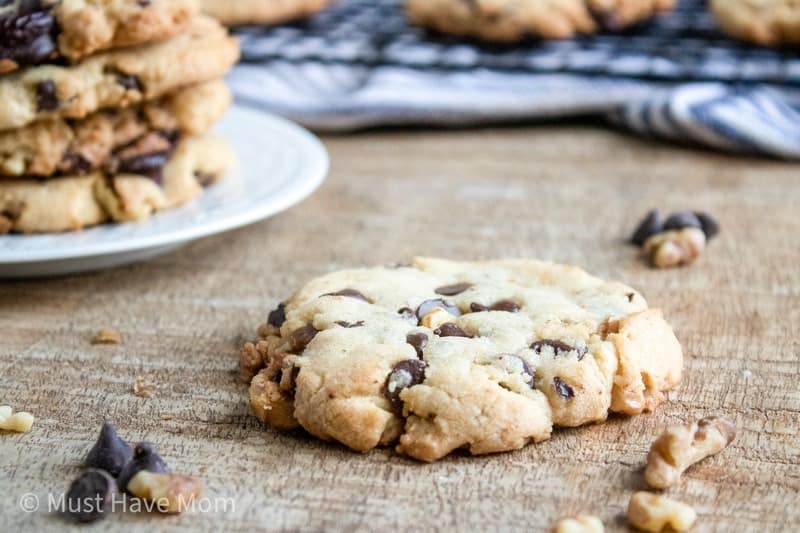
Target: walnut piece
column 679, row 447
column 436, row 317
column 143, row 389
column 675, row 247
column 580, row 524
column 107, row 336
column 20, row 422
column 172, row 493
column 651, row 512
column 270, row 404
column 251, row 360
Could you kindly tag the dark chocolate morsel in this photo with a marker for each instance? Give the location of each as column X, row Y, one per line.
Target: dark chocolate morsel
column 144, row 458
column 684, row 219
column 346, row 324
column 46, row 98
column 149, row 165
column 350, row 293
column 448, row 329
column 478, row 308
column 526, row 368
column 300, row 338
column 559, row 347
column 404, row 374
column 709, row 224
column 452, row 290
column 130, row 82
column 406, row 312
column 563, row 390
column 505, row 305
column 277, row 316
column 110, row 452
column 29, row 34
column 90, row 496
column 74, row 163
column 429, row 305
column 647, row 228
column 419, row 341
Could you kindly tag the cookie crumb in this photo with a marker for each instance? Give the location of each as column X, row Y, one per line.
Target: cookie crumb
column 143, row 389
column 579, row 524
column 651, row 512
column 107, row 336
column 679, row 447
column 20, row 422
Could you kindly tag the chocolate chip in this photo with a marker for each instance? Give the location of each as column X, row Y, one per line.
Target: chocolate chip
column 684, row 219
column 110, row 452
column 526, row 368
column 291, row 385
column 429, row 305
column 148, row 165
column 350, row 293
column 502, row 305
column 448, row 329
column 559, row 348
column 407, row 313
column 345, row 324
column 478, row 308
column 563, row 390
column 46, row 98
column 300, row 338
column 130, row 82
column 90, row 496
column 404, row 374
column 277, row 316
column 73, row 163
column 144, row 458
column 452, row 290
column 630, row 296
column 647, row 228
column 709, row 224
column 28, row 35
column 419, row 341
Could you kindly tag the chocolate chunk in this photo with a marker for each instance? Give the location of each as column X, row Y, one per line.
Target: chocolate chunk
column 46, row 99
column 110, row 452
column 90, row 496
column 350, row 293
column 345, row 324
column 73, row 163
column 290, row 386
column 277, row 316
column 502, row 305
column 148, row 165
column 419, row 341
column 28, row 35
column 448, row 329
column 684, row 219
column 404, row 374
column 709, row 224
column 630, row 296
column 130, row 82
column 300, row 338
column 429, row 305
column 478, row 308
column 563, row 390
column 526, row 368
column 560, row 348
column 647, row 228
column 452, row 290
column 144, row 458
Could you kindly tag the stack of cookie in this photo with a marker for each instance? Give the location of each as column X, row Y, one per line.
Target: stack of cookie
column 104, row 109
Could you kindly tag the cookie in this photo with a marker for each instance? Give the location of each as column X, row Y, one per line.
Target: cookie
column 512, row 20
column 261, row 11
column 443, row 355
column 137, row 188
column 67, row 147
column 767, row 22
column 118, row 78
column 40, row 31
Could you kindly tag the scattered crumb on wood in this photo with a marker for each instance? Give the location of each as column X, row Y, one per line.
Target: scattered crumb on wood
column 167, row 417
column 19, row 422
column 107, row 336
column 143, row 389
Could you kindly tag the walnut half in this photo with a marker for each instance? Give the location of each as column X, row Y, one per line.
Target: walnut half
column 675, row 247
column 679, row 447
column 651, row 512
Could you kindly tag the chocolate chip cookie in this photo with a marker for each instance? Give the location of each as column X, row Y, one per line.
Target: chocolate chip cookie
column 71, row 147
column 139, row 185
column 442, row 355
column 240, row 12
column 117, row 78
column 765, row 22
column 512, row 20
column 33, row 32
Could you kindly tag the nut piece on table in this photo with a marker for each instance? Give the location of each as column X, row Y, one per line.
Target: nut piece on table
column 679, row 447
column 107, row 336
column 436, row 317
column 271, row 404
column 20, row 422
column 675, row 247
column 580, row 524
column 651, row 512
column 172, row 493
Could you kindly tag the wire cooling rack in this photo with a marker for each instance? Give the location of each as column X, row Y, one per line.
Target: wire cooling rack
column 677, row 46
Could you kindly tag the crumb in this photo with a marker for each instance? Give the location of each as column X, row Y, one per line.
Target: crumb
column 167, row 417
column 19, row 422
column 107, row 336
column 143, row 389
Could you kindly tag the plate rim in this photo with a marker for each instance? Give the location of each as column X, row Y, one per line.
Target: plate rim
column 317, row 173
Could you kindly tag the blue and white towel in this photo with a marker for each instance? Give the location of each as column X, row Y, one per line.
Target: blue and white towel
column 360, row 65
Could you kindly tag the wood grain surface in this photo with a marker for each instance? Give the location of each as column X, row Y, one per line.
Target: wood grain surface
column 564, row 193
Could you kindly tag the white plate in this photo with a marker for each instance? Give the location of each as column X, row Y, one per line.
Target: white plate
column 279, row 164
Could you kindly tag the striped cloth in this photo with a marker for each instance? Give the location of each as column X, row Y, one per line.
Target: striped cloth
column 361, row 65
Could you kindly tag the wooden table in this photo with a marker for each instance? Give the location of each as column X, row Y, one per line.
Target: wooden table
column 565, row 193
